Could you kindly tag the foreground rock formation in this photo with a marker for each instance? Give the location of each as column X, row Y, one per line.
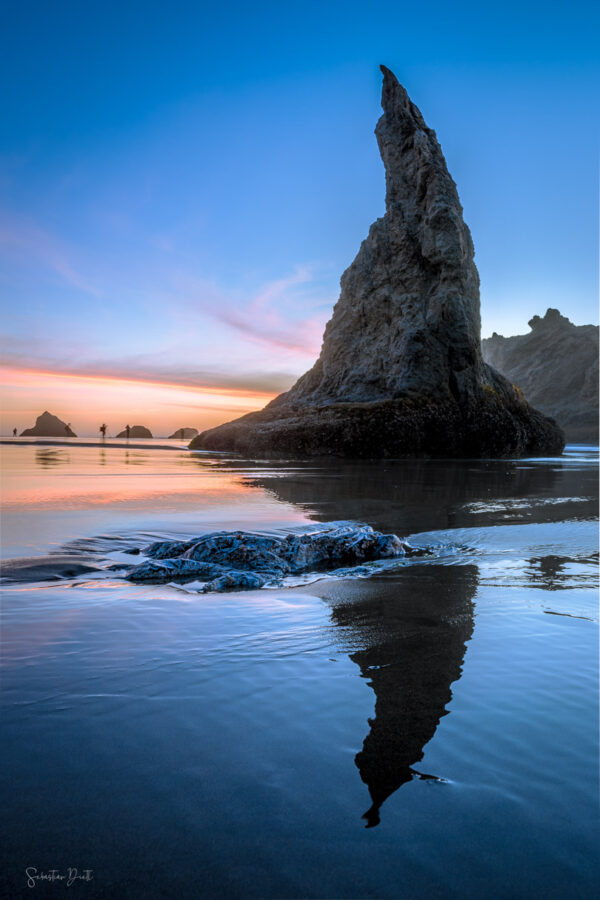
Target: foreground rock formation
column 556, row 366
column 136, row 431
column 400, row 371
column 184, row 434
column 48, row 425
column 241, row 560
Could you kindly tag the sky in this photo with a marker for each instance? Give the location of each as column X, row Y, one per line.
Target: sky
column 183, row 184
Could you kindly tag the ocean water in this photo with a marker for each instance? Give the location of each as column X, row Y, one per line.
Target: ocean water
column 431, row 731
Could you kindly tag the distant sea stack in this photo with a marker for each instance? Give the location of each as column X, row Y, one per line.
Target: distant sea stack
column 48, row 425
column 401, row 371
column 136, row 431
column 556, row 366
column 184, row 434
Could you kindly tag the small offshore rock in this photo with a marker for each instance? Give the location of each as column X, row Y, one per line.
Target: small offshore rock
column 48, row 425
column 136, row 431
column 184, row 434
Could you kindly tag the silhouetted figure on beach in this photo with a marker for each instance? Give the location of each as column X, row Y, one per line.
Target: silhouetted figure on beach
column 14, row 432
column 127, row 430
column 103, row 430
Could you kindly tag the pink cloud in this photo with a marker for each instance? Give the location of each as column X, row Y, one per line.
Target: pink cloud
column 263, row 319
column 275, row 316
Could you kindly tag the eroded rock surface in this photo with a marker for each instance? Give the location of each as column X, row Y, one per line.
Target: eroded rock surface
column 241, row 560
column 401, row 371
column 48, row 425
column 556, row 366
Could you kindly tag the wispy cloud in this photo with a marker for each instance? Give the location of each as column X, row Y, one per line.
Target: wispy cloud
column 266, row 318
column 284, row 314
column 142, row 370
column 23, row 241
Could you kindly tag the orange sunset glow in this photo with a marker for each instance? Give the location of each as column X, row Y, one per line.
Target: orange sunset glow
column 87, row 400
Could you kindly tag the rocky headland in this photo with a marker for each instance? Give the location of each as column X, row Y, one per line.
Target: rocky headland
column 48, row 425
column 184, row 434
column 136, row 431
column 401, row 371
column 556, row 367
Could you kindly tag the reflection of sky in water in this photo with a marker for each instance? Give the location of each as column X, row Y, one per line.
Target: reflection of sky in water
column 245, row 735
column 52, row 495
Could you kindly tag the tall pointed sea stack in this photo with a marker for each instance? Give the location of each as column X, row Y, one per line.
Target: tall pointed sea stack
column 400, row 371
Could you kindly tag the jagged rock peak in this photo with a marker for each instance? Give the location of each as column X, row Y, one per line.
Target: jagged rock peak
column 552, row 319
column 407, row 319
column 400, row 370
column 408, row 314
column 401, row 134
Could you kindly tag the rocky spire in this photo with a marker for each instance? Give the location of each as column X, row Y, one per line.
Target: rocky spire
column 400, row 370
column 408, row 314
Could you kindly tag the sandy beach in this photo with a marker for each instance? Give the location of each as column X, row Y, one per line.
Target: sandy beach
column 240, row 744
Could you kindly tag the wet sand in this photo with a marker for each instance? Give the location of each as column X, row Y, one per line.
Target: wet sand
column 429, row 731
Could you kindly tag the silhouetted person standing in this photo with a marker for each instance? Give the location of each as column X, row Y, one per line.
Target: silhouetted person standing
column 127, row 430
column 14, row 432
column 103, row 430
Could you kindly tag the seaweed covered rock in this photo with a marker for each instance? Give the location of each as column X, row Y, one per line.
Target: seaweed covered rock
column 400, row 371
column 241, row 560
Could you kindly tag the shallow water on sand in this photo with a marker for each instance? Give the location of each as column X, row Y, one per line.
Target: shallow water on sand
column 236, row 745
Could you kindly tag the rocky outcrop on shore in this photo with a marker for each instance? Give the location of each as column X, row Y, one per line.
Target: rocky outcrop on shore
column 136, row 431
column 184, row 434
column 401, row 371
column 241, row 560
column 48, row 425
column 556, row 367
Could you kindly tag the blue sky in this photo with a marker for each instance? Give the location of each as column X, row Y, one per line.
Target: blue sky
column 182, row 185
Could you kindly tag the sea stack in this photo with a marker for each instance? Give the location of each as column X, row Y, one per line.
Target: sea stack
column 48, row 425
column 135, row 431
column 184, row 434
column 401, row 371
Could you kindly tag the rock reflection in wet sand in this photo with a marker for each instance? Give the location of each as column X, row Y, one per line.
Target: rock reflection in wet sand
column 413, row 627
